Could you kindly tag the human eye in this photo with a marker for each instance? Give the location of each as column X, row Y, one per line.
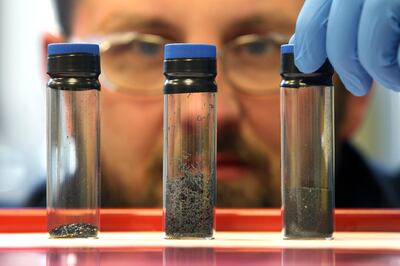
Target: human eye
column 256, row 48
column 136, row 46
column 148, row 48
column 137, row 49
column 131, row 61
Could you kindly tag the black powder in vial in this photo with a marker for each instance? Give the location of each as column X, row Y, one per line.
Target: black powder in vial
column 80, row 230
column 308, row 213
column 190, row 201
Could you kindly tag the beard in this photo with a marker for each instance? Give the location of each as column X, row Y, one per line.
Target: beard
column 259, row 187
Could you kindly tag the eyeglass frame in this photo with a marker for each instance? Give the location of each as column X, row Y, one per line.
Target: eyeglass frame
column 108, row 40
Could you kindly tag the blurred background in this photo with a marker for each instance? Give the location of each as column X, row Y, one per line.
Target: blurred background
column 23, row 104
column 22, row 97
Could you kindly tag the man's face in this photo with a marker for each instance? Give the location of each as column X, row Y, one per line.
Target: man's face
column 248, row 171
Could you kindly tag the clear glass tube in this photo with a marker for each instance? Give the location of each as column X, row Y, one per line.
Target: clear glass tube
column 73, row 182
column 307, row 161
column 189, row 175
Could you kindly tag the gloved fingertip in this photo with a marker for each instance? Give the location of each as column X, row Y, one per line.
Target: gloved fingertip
column 306, row 61
column 292, row 39
column 356, row 91
column 390, row 86
column 358, row 86
column 398, row 55
column 306, row 65
column 395, row 88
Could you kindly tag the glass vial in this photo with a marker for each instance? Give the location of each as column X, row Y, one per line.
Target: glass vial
column 73, row 143
column 307, row 142
column 189, row 161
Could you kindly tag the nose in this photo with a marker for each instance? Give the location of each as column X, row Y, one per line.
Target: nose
column 194, row 110
column 228, row 111
column 228, row 108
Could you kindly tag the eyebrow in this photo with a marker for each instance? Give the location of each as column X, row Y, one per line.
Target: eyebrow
column 119, row 22
column 269, row 22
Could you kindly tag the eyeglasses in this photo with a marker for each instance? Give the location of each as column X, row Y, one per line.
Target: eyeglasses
column 251, row 62
column 132, row 62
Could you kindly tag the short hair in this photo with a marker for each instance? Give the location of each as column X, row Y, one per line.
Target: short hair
column 64, row 11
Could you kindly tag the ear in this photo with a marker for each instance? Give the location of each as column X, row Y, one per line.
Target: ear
column 46, row 40
column 50, row 38
column 355, row 110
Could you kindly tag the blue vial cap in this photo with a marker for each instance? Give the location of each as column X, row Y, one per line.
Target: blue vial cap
column 322, row 76
column 189, row 50
column 73, row 48
column 287, row 49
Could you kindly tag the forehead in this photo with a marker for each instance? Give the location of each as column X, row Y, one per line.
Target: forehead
column 94, row 16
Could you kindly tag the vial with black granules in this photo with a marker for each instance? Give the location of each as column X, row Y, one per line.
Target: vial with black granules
column 307, row 156
column 189, row 161
column 73, row 142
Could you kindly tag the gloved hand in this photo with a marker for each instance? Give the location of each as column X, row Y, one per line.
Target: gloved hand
column 361, row 38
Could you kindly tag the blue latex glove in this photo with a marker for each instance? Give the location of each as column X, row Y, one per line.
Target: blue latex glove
column 360, row 37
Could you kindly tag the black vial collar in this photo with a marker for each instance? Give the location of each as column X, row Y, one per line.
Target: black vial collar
column 289, row 71
column 73, row 60
column 190, row 68
column 190, row 75
column 73, row 65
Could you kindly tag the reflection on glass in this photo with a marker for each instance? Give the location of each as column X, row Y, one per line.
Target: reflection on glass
column 189, row 256
column 310, row 257
column 71, row 257
column 150, row 256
